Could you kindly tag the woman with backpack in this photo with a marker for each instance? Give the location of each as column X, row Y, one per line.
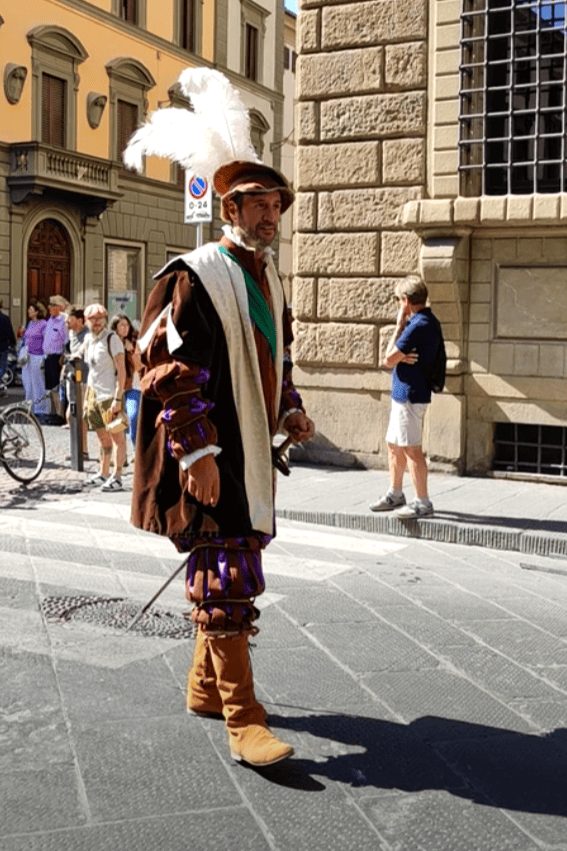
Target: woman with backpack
column 103, row 353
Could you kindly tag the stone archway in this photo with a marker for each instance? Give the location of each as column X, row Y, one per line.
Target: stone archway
column 49, row 261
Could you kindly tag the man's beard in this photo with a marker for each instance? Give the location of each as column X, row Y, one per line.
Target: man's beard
column 252, row 239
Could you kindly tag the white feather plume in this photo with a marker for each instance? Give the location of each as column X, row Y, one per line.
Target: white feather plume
column 160, row 136
column 216, row 132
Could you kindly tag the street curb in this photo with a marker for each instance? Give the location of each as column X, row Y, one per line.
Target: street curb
column 433, row 529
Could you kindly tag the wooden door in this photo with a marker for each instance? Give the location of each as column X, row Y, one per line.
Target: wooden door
column 49, row 262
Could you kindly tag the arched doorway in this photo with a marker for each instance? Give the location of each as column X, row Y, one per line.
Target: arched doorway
column 49, row 261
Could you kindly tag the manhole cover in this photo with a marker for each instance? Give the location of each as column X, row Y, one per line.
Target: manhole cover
column 117, row 613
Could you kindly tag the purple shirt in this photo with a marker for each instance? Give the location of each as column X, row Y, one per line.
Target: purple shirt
column 33, row 336
column 56, row 335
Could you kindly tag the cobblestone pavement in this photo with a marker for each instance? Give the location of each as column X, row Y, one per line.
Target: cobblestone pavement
column 57, row 478
column 423, row 686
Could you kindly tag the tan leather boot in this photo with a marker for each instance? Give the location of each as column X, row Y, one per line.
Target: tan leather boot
column 249, row 737
column 202, row 696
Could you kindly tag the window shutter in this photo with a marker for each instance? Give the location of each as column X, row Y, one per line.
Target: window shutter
column 129, row 11
column 187, row 25
column 127, row 123
column 53, row 111
column 251, row 65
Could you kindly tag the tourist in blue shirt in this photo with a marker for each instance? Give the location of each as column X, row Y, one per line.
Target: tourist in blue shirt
column 410, row 355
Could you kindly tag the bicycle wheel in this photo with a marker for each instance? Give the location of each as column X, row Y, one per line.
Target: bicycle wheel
column 22, row 447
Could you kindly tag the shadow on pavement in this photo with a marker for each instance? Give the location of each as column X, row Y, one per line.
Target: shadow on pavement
column 557, row 526
column 25, row 496
column 488, row 765
column 290, row 773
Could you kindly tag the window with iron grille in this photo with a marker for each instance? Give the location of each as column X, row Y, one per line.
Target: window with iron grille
column 53, row 111
column 513, row 97
column 536, row 449
column 251, row 53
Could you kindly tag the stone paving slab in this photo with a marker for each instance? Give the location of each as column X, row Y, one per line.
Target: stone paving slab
column 91, row 696
column 426, row 822
column 171, row 768
column 498, row 675
column 39, row 800
column 543, row 714
column 173, row 832
column 442, row 705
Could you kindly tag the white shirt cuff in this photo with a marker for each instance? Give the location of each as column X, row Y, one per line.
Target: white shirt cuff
column 190, row 459
column 285, row 415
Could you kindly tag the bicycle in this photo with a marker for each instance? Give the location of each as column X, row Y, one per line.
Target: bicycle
column 22, row 446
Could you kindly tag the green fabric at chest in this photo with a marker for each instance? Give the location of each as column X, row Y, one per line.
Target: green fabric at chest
column 260, row 313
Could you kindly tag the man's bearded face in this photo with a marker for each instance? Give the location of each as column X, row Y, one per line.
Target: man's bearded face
column 258, row 218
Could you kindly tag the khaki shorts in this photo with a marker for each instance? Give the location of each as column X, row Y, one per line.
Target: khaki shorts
column 404, row 428
column 93, row 409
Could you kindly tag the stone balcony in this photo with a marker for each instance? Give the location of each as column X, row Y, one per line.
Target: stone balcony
column 37, row 169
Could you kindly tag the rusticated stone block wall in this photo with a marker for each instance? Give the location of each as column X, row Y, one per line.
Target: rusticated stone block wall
column 361, row 124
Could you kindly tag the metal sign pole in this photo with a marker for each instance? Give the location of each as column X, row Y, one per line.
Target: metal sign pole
column 76, row 417
column 199, row 235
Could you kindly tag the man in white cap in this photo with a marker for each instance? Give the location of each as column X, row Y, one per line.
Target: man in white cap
column 216, row 388
column 54, row 341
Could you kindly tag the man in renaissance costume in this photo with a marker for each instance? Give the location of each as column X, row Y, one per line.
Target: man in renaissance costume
column 217, row 386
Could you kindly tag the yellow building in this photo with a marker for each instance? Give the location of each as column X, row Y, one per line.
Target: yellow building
column 78, row 78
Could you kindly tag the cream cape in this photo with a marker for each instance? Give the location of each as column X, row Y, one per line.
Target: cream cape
column 224, row 282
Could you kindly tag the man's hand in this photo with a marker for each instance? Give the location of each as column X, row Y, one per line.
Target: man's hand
column 204, row 480
column 411, row 358
column 299, row 427
column 404, row 313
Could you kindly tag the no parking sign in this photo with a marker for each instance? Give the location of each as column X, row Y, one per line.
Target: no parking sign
column 198, row 200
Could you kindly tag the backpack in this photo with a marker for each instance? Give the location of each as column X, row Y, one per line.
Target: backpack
column 435, row 380
column 112, row 334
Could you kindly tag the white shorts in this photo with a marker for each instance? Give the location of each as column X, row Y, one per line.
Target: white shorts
column 404, row 428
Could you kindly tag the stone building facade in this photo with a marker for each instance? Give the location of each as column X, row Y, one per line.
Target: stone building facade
column 418, row 152
column 79, row 76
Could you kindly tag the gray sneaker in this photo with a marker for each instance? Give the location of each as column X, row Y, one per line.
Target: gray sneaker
column 415, row 509
column 388, row 503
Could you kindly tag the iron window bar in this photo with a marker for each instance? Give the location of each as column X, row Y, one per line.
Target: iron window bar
column 513, row 102
column 530, row 449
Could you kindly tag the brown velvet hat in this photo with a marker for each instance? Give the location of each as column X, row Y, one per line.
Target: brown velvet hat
column 252, row 179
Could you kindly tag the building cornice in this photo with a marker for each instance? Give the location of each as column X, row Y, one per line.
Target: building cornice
column 433, row 216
